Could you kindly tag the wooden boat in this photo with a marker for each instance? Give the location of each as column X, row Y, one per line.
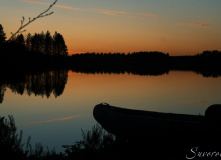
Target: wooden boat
column 137, row 123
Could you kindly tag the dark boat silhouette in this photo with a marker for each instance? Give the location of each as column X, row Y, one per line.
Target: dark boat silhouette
column 130, row 123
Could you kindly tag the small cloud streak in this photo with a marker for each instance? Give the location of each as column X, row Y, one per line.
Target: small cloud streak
column 101, row 11
column 197, row 102
column 196, row 24
column 131, row 15
column 67, row 7
column 142, row 15
column 110, row 12
column 136, row 17
column 51, row 120
column 147, row 14
column 30, row 1
column 48, row 4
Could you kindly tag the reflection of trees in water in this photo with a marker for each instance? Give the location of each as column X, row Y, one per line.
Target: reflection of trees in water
column 40, row 84
column 53, row 82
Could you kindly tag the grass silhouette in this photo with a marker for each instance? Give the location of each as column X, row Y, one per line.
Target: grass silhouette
column 12, row 146
column 94, row 143
column 97, row 144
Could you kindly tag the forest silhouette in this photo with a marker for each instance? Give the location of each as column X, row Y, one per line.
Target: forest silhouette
column 39, row 63
column 37, row 44
column 44, row 52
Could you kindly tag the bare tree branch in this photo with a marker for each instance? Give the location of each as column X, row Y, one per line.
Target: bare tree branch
column 43, row 14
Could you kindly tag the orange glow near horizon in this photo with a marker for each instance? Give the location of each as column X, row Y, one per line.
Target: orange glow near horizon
column 133, row 27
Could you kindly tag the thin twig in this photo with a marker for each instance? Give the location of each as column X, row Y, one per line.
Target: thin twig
column 43, row 14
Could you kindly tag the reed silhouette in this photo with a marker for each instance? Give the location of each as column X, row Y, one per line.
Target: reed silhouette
column 13, row 147
column 99, row 144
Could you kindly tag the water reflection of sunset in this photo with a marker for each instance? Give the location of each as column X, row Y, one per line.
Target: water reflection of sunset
column 176, row 92
column 49, row 121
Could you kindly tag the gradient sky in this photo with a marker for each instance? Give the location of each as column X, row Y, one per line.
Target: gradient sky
column 177, row 27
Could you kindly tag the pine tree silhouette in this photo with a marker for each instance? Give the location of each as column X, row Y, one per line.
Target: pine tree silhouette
column 59, row 45
column 2, row 38
column 28, row 42
column 48, row 42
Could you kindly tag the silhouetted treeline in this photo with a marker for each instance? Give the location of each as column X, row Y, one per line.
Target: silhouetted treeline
column 147, row 63
column 43, row 51
column 214, row 53
column 206, row 63
column 37, row 83
column 37, row 44
column 142, row 63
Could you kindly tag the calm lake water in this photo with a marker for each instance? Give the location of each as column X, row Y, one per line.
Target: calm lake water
column 52, row 108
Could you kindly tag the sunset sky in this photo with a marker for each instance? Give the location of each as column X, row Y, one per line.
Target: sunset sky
column 178, row 27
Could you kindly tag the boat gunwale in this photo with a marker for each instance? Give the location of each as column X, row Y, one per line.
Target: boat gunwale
column 117, row 111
